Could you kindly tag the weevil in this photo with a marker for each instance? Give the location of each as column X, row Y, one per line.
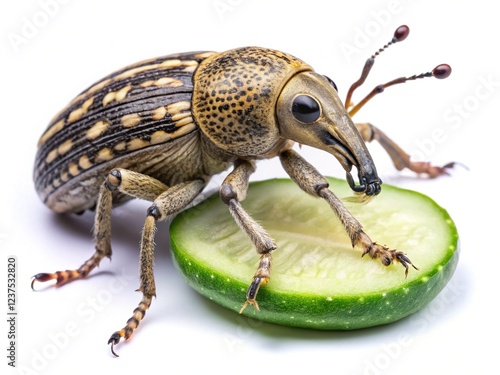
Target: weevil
column 159, row 129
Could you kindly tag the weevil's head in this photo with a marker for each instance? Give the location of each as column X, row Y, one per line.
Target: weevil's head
column 310, row 112
column 248, row 102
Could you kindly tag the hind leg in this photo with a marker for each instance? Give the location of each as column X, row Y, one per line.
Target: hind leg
column 102, row 235
column 167, row 201
column 398, row 156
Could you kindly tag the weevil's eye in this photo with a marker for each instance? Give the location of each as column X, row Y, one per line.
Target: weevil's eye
column 331, row 83
column 305, row 108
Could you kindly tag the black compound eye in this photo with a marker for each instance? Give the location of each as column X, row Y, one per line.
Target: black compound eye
column 331, row 83
column 305, row 108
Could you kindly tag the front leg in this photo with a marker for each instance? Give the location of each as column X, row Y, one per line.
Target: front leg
column 313, row 183
column 232, row 191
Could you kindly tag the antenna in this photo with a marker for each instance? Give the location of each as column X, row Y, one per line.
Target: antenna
column 441, row 71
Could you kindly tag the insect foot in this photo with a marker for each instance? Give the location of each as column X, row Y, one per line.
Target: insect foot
column 61, row 277
column 64, row 277
column 432, row 170
column 132, row 324
column 261, row 277
column 388, row 256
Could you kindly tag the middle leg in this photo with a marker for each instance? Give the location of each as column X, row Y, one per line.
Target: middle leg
column 233, row 191
column 165, row 204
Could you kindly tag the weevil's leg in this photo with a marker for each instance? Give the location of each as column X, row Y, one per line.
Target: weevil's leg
column 313, row 183
column 102, row 223
column 232, row 191
column 102, row 233
column 400, row 158
column 169, row 202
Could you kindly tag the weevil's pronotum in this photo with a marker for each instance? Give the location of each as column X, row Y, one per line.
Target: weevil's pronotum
column 158, row 130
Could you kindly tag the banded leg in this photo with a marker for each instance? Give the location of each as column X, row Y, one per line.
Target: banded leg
column 165, row 204
column 400, row 158
column 313, row 183
column 102, row 222
column 232, row 191
column 102, row 236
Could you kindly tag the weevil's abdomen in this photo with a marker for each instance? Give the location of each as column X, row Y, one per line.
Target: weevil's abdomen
column 235, row 96
column 112, row 123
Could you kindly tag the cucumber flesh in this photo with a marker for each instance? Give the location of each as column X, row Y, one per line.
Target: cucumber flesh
column 317, row 279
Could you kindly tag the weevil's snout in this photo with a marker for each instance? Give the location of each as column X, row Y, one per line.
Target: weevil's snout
column 370, row 185
column 310, row 112
column 369, row 181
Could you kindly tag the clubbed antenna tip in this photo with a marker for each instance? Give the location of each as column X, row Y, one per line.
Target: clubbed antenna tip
column 441, row 71
column 401, row 33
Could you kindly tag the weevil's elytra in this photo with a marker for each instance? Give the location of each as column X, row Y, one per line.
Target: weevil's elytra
column 158, row 130
column 136, row 108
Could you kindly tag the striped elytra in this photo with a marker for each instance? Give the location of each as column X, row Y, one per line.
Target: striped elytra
column 134, row 108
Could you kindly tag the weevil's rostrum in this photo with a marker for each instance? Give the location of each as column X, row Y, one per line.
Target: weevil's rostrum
column 158, row 130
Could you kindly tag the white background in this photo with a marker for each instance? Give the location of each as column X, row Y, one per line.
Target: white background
column 76, row 43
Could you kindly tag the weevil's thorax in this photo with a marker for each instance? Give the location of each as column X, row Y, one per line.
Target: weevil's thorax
column 235, row 95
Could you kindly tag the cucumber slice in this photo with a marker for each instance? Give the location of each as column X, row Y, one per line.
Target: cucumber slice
column 317, row 279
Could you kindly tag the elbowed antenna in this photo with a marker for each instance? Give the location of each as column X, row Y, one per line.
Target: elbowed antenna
column 400, row 34
column 441, row 71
